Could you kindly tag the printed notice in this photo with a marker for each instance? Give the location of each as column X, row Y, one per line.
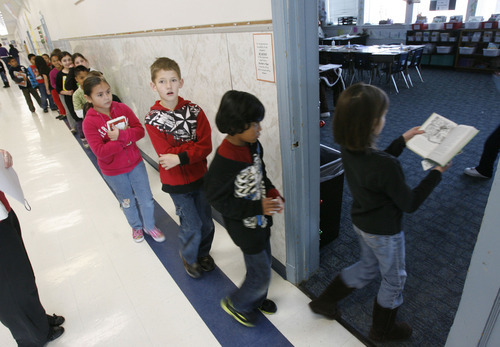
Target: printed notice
column 264, row 57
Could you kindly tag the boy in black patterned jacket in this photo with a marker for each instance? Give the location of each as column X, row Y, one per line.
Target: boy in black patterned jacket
column 237, row 186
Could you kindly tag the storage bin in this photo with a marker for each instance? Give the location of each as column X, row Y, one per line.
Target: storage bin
column 465, row 38
column 489, row 25
column 444, row 37
column 419, row 26
column 491, row 52
column 436, row 26
column 450, row 26
column 452, row 39
column 443, row 49
column 472, row 25
column 466, row 50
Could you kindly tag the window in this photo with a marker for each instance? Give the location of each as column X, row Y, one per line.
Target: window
column 377, row 10
column 424, row 5
column 486, row 8
column 3, row 27
column 340, row 8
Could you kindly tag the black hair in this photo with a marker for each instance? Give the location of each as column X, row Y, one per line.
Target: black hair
column 31, row 55
column 92, row 81
column 237, row 111
column 10, row 59
column 41, row 65
column 80, row 68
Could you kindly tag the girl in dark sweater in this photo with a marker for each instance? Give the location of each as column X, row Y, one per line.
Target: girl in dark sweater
column 237, row 186
column 380, row 196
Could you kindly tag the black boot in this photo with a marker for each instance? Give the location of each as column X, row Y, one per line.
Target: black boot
column 326, row 303
column 385, row 327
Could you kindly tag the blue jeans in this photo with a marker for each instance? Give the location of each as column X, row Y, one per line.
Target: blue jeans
column 253, row 291
column 384, row 254
column 196, row 229
column 46, row 96
column 131, row 186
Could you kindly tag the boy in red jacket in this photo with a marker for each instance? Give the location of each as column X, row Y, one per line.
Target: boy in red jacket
column 181, row 136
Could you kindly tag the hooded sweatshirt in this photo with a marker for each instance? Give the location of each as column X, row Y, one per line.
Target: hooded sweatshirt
column 184, row 131
column 114, row 157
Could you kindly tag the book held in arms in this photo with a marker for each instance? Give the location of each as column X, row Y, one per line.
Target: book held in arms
column 21, row 75
column 442, row 140
column 118, row 122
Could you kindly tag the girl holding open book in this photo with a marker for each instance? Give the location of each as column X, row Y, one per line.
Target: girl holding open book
column 380, row 196
column 112, row 130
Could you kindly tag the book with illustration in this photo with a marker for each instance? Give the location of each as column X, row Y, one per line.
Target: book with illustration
column 21, row 75
column 442, row 140
column 118, row 122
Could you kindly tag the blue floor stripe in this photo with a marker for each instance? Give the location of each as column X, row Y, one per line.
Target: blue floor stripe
column 205, row 293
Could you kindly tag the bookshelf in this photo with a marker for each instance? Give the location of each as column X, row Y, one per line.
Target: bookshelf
column 441, row 46
column 471, row 45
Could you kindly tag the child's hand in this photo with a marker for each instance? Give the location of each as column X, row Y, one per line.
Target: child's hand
column 113, row 133
column 442, row 168
column 271, row 206
column 168, row 161
column 412, row 132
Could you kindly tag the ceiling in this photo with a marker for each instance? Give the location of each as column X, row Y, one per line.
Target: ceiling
column 10, row 9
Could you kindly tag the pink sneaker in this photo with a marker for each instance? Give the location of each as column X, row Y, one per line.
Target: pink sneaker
column 156, row 234
column 137, row 235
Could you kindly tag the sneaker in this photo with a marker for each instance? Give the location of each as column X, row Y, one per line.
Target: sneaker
column 45, row 110
column 325, row 115
column 55, row 320
column 85, row 144
column 156, row 234
column 193, row 270
column 54, row 333
column 471, row 171
column 61, row 117
column 6, row 86
column 73, row 130
column 206, row 263
column 240, row 317
column 137, row 235
column 268, row 307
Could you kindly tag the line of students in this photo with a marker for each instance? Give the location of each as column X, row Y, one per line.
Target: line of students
column 236, row 184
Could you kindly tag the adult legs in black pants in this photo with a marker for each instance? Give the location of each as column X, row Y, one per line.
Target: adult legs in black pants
column 490, row 154
column 20, row 307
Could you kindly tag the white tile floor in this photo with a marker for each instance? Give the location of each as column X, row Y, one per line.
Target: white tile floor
column 112, row 291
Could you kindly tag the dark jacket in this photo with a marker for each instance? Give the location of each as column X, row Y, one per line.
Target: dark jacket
column 380, row 193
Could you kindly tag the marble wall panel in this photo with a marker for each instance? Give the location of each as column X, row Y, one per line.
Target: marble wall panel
column 211, row 64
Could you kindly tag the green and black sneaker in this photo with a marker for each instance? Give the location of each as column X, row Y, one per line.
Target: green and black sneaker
column 268, row 307
column 240, row 317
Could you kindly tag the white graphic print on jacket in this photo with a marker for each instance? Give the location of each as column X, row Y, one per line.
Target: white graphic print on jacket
column 249, row 184
column 181, row 124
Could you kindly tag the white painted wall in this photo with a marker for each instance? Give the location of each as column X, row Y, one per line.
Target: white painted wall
column 98, row 17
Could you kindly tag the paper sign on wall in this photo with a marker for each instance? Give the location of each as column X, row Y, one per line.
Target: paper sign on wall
column 264, row 56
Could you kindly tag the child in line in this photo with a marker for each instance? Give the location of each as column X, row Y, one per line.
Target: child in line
column 237, row 186
column 4, row 77
column 46, row 57
column 380, row 196
column 66, row 94
column 34, row 76
column 19, row 74
column 79, row 97
column 44, row 88
column 56, row 63
column 119, row 157
column 181, row 136
column 79, row 59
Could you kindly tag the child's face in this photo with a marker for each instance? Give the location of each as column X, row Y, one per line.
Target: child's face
column 32, row 60
column 67, row 62
column 56, row 62
column 13, row 62
column 251, row 135
column 47, row 59
column 101, row 97
column 167, row 84
column 80, row 77
column 81, row 61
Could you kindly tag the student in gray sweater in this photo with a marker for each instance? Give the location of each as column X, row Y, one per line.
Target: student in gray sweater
column 380, row 196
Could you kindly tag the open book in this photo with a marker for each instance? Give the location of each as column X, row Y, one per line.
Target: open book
column 442, row 140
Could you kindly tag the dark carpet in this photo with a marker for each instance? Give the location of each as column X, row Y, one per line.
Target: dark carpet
column 441, row 234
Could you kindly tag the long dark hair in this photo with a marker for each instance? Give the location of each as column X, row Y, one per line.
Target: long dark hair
column 41, row 65
column 358, row 111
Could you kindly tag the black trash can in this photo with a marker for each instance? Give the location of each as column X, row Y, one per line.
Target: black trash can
column 331, row 190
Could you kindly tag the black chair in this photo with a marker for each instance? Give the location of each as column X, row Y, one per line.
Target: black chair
column 362, row 62
column 399, row 65
column 414, row 61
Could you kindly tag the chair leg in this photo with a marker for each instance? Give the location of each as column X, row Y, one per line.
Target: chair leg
column 419, row 75
column 404, row 78
column 394, row 82
column 409, row 78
